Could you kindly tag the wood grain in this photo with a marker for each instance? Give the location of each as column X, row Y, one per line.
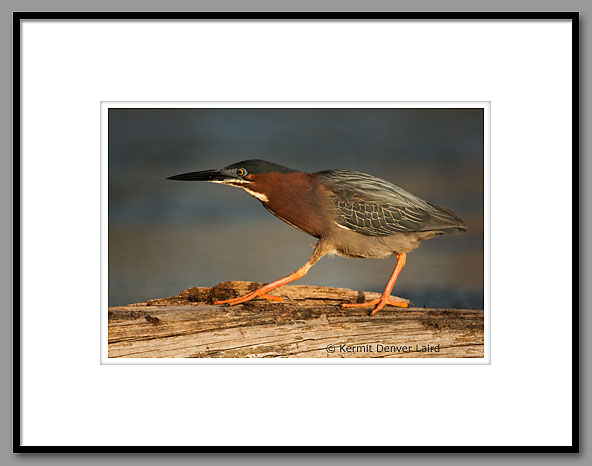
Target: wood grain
column 304, row 325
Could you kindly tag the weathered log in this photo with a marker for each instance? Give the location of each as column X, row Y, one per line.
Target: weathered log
column 309, row 323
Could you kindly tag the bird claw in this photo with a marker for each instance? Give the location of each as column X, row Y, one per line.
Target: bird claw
column 248, row 297
column 278, row 299
column 380, row 303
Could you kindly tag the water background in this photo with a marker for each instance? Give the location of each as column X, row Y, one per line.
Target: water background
column 166, row 236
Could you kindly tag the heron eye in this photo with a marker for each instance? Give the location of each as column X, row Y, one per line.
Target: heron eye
column 241, row 172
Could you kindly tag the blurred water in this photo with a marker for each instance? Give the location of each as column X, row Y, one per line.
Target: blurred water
column 166, row 236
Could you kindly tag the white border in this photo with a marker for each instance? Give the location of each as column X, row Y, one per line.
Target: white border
column 105, row 106
column 524, row 68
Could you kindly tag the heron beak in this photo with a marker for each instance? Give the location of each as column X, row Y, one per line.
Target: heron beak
column 205, row 175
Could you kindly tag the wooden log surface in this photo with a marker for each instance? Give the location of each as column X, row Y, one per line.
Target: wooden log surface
column 308, row 323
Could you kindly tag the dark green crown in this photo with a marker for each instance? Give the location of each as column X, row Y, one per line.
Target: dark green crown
column 256, row 167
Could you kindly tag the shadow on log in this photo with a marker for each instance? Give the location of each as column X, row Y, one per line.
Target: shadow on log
column 309, row 323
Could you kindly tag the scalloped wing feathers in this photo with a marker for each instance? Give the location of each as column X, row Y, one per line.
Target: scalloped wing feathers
column 374, row 207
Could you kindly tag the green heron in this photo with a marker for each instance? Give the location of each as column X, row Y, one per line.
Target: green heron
column 352, row 214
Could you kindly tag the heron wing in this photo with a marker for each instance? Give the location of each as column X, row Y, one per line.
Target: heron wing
column 374, row 207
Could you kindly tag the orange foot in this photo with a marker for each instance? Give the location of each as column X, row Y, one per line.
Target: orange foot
column 380, row 304
column 248, row 297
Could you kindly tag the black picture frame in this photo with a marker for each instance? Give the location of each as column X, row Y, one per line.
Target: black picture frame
column 18, row 17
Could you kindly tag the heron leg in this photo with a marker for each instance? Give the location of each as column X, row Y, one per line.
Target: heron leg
column 262, row 292
column 385, row 299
